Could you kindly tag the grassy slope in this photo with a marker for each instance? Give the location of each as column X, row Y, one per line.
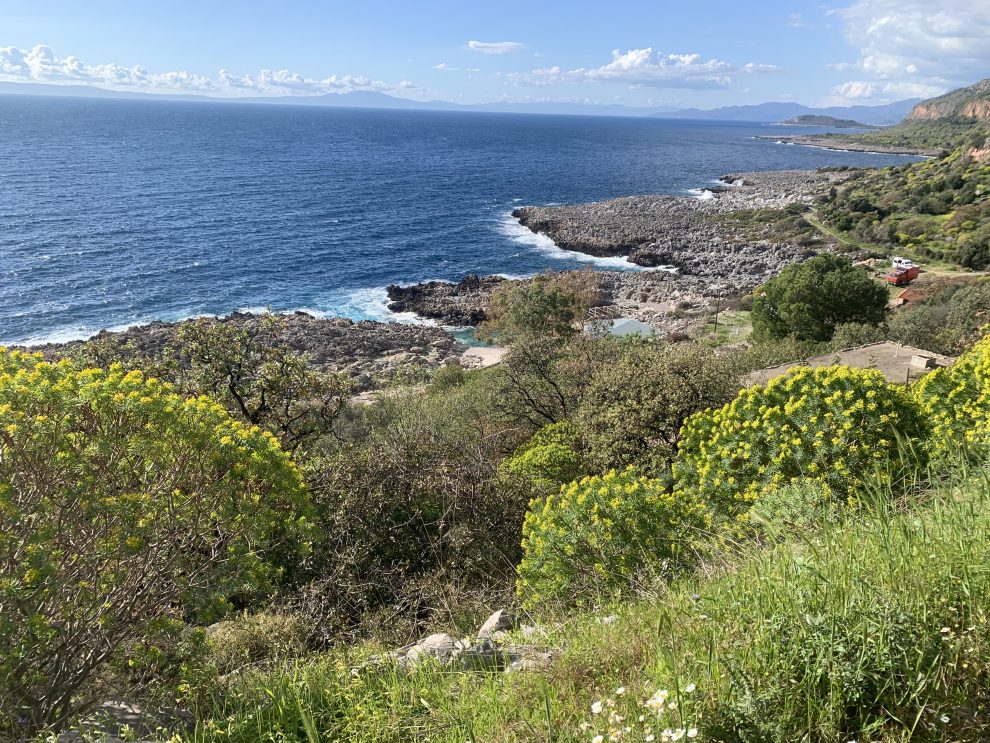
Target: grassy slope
column 876, row 630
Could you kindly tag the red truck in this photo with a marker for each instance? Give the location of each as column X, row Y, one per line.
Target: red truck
column 903, row 276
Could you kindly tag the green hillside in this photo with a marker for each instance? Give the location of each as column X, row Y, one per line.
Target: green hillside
column 937, row 209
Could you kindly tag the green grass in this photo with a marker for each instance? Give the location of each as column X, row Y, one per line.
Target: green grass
column 734, row 326
column 872, row 630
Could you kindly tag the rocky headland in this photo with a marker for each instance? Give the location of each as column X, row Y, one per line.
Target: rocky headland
column 847, row 143
column 697, row 253
column 366, row 350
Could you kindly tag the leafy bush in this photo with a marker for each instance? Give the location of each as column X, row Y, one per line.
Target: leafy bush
column 831, row 425
column 254, row 639
column 597, row 533
column 550, row 305
column 121, row 504
column 633, row 409
column 808, row 300
column 548, row 460
column 413, row 516
column 956, row 401
column 949, row 321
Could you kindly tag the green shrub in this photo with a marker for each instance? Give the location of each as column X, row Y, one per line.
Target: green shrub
column 808, row 300
column 633, row 409
column 548, row 460
column 598, row 533
column 255, row 639
column 830, row 425
column 122, row 504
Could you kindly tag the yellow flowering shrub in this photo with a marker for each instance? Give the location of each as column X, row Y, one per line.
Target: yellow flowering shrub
column 956, row 400
column 830, row 426
column 597, row 533
column 122, row 504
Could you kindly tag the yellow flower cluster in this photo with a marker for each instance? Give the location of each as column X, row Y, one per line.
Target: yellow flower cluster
column 828, row 425
column 597, row 532
column 956, row 400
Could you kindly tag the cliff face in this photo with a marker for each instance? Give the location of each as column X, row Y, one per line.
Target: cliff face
column 967, row 103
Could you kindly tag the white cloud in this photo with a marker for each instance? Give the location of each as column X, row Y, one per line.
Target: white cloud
column 495, row 47
column 859, row 90
column 796, row 20
column 40, row 64
column 910, row 48
column 647, row 68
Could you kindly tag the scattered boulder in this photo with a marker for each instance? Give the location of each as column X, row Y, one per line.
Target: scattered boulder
column 492, row 651
column 500, row 622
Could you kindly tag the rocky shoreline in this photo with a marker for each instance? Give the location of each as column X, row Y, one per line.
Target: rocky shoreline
column 844, row 144
column 462, row 303
column 366, row 350
column 698, row 254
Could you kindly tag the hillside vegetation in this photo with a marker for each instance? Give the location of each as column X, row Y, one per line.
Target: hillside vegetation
column 937, row 209
column 799, row 560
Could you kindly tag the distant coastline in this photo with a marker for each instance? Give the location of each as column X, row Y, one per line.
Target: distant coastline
column 840, row 144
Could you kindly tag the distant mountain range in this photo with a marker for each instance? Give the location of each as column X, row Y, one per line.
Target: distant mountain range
column 890, row 113
column 763, row 112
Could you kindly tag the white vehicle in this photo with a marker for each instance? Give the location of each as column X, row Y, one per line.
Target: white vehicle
column 899, row 263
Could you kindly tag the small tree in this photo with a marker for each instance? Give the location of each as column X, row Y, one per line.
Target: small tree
column 120, row 505
column 259, row 378
column 549, row 305
column 633, row 410
column 808, row 300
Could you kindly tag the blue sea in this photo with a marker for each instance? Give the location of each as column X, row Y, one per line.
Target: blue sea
column 114, row 213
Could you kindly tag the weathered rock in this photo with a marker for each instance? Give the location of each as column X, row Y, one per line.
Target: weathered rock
column 529, row 659
column 501, row 621
column 440, row 647
column 462, row 303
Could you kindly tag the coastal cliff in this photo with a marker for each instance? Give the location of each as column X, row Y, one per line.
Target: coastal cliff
column 965, row 103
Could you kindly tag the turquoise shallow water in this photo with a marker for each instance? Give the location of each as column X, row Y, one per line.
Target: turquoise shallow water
column 120, row 212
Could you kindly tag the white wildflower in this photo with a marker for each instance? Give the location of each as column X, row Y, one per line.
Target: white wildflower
column 596, row 708
column 689, row 688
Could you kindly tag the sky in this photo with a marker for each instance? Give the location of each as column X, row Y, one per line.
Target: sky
column 647, row 53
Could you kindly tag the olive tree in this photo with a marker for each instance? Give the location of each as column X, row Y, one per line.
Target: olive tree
column 259, row 378
column 122, row 504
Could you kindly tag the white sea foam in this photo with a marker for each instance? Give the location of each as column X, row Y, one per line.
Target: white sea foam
column 370, row 304
column 360, row 304
column 68, row 333
column 509, row 226
column 702, row 194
